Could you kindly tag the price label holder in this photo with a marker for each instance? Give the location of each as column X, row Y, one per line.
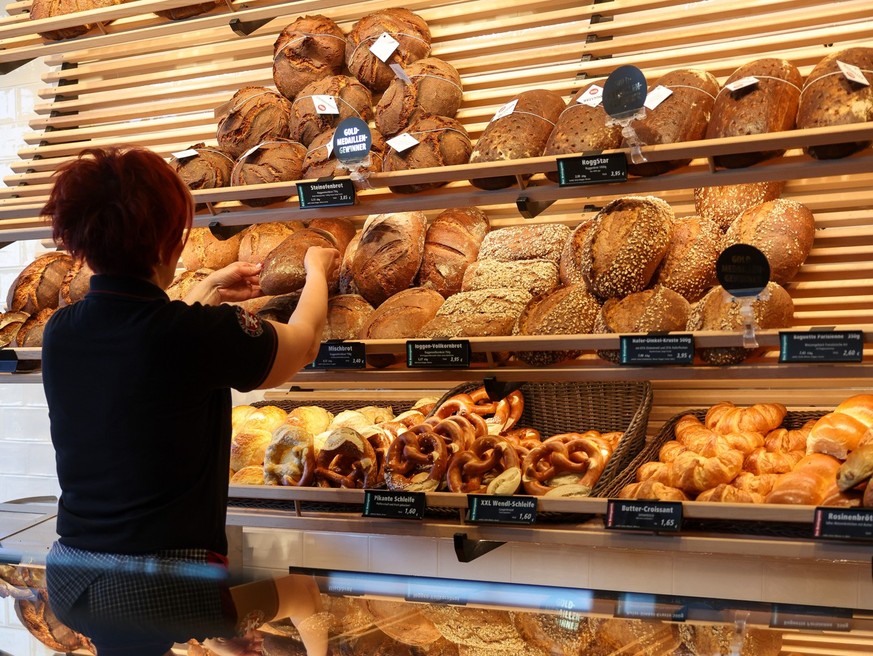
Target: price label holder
column 637, row 514
column 743, row 271
column 394, row 504
column 326, row 193
column 843, row 523
column 810, row 618
column 624, row 98
column 501, row 509
column 641, row 350
column 340, row 355
column 649, row 607
column 592, row 169
column 431, row 354
column 821, row 346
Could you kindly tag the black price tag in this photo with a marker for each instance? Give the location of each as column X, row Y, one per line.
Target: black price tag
column 644, row 515
column 340, row 355
column 843, row 523
column 649, row 607
column 394, row 504
column 624, row 92
column 352, row 140
column 499, row 509
column 656, row 349
column 805, row 618
column 427, row 354
column 330, row 193
column 592, row 169
column 742, row 270
column 821, row 346
column 434, row 591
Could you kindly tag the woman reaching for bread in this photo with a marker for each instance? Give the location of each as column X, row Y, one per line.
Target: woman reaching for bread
column 139, row 397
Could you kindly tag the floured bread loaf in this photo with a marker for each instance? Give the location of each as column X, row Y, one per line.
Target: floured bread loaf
column 280, row 160
column 203, row 250
column 442, row 141
column 259, row 239
column 184, row 281
column 309, row 49
column 347, row 314
column 402, row 315
column 352, row 99
column 253, row 115
column 725, row 203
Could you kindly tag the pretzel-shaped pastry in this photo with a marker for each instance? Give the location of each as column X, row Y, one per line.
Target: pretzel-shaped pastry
column 474, row 470
column 290, row 457
column 380, row 439
column 502, row 415
column 457, row 431
column 555, row 462
column 524, row 439
column 416, row 460
column 346, row 460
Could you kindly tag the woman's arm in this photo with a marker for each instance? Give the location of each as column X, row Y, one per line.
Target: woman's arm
column 235, row 282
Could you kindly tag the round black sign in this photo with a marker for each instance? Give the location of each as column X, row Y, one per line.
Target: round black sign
column 624, row 92
column 352, row 140
column 742, row 270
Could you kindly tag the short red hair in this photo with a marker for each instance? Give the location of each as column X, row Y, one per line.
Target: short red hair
column 123, row 210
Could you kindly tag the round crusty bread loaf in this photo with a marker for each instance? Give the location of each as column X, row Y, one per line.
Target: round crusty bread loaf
column 209, row 169
column 480, row 313
column 50, row 8
column 203, row 250
column 389, row 254
column 188, row 11
column 321, row 162
column 309, row 49
column 347, row 314
column 725, row 203
column 536, row 276
column 449, row 249
column 259, row 239
column 10, row 324
column 570, row 264
column 566, row 311
column 402, row 315
column 688, row 268
column 341, row 229
column 346, row 277
column 253, row 115
column 718, row 311
column 352, row 98
column 544, row 241
column 280, row 160
column 283, row 271
column 184, row 281
column 76, row 283
column 782, row 229
column 471, row 219
column 38, row 285
column 30, row 333
column 652, row 310
column 625, row 244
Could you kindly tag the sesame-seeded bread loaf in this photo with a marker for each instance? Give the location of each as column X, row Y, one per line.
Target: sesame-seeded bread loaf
column 782, row 229
column 253, row 115
column 520, row 134
column 535, row 276
column 682, row 116
column 450, row 246
column 280, row 160
column 389, row 254
column 480, row 313
column 320, row 160
column 829, row 98
column 50, row 8
column 37, row 286
column 582, row 128
column 442, row 141
column 76, row 283
column 203, row 250
column 625, row 244
column 770, row 105
column 725, row 203
column 308, row 49
column 688, row 268
column 570, row 265
column 259, row 239
column 352, row 99
column 347, row 314
column 209, row 169
column 402, row 315
column 543, row 241
column 569, row 310
column 283, row 271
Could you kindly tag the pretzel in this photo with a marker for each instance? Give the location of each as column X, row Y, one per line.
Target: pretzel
column 501, row 415
column 380, row 439
column 290, row 457
column 558, row 462
column 416, row 460
column 346, row 460
column 472, row 471
column 524, row 439
column 506, row 413
column 457, row 431
column 606, row 444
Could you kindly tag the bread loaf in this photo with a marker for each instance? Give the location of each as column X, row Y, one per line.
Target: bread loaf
column 30, row 333
column 471, row 219
column 450, row 246
column 442, row 141
column 769, row 105
column 340, row 229
column 209, row 168
column 408, row 29
column 259, row 239
column 725, row 203
column 253, row 115
column 184, row 281
column 352, row 99
column 830, row 98
column 520, row 134
column 278, row 308
column 535, row 276
column 782, row 229
column 625, row 244
column 402, row 315
column 543, row 241
column 347, row 314
column 723, row 639
column 10, row 324
column 346, row 282
column 203, row 250
column 38, row 285
column 49, row 8
column 682, row 116
column 188, row 11
column 480, row 313
column 321, row 162
column 283, row 270
column 389, row 254
column 570, row 265
column 435, row 88
column 308, row 49
column 688, row 268
column 280, row 160
column 807, row 483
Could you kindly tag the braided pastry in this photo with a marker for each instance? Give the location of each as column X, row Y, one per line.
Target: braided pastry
column 557, row 462
column 346, row 460
column 490, row 466
column 416, row 460
column 725, row 417
column 290, row 457
column 651, row 489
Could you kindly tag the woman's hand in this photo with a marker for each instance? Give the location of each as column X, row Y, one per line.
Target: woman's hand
column 238, row 281
column 321, row 259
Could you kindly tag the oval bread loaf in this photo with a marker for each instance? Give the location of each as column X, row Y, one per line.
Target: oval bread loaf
column 688, row 268
column 347, row 314
column 253, row 115
column 442, row 141
column 480, row 313
column 209, row 169
column 725, row 203
column 259, row 239
column 536, row 276
column 283, row 271
column 279, row 160
column 308, row 49
column 450, row 246
column 203, row 250
column 543, row 241
column 38, row 285
column 352, row 99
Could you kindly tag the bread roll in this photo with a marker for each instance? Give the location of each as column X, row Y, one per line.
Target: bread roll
column 725, row 203
column 209, row 169
column 782, row 229
column 49, row 8
column 253, row 115
column 518, row 135
column 688, row 268
column 321, row 162
column 38, row 285
column 525, row 242
column 347, row 314
column 283, row 270
column 625, row 244
column 308, row 49
column 535, row 276
column 389, row 254
column 770, row 105
column 203, row 250
column 248, row 447
column 402, row 315
column 251, row 475
column 184, row 281
column 279, row 160
column 807, row 483
column 836, row 434
column 480, row 313
column 450, row 246
column 259, row 239
column 352, row 99
column 860, row 407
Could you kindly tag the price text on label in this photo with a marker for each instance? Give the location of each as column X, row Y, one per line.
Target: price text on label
column 592, row 169
column 843, row 523
column 334, row 193
column 394, row 504
column 644, row 515
column 498, row 509
column 340, row 355
column 656, row 349
column 821, row 346
column 453, row 354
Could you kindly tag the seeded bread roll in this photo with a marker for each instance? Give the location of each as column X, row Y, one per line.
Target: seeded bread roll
column 570, row 265
column 347, row 314
column 203, row 250
column 480, row 313
column 520, row 134
column 725, row 203
column 829, row 98
column 389, row 254
column 283, row 270
column 450, row 246
column 782, row 229
column 582, row 128
column 682, row 116
column 442, row 141
column 713, row 312
column 402, row 315
column 652, row 310
column 76, row 283
column 688, row 268
column 569, row 310
column 184, row 281
column 408, row 29
column 536, row 276
column 38, row 285
column 435, row 89
column 625, row 244
column 321, row 162
column 259, row 239
column 273, row 161
column 543, row 241
column 253, row 115
column 209, row 169
column 309, row 49
column 770, row 105
column 352, row 99
column 50, row 8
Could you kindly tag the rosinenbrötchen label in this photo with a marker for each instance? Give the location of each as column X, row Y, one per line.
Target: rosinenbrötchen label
column 843, row 523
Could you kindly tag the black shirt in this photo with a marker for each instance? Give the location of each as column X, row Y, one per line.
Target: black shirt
column 138, row 390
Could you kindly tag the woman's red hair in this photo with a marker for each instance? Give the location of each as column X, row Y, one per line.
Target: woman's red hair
column 124, row 210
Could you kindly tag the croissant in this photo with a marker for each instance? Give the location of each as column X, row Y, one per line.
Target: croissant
column 693, row 473
column 725, row 493
column 757, row 483
column 669, row 450
column 650, row 489
column 785, row 439
column 807, row 483
column 761, row 461
column 656, row 471
column 725, row 417
column 746, row 441
column 835, row 434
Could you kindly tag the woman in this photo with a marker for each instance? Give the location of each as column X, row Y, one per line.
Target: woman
column 139, row 397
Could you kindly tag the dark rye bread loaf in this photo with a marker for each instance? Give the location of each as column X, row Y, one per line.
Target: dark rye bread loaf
column 253, row 115
column 520, row 134
column 208, row 168
column 535, row 276
column 442, row 141
column 480, row 313
column 723, row 204
column 829, row 98
column 280, row 160
column 352, row 98
column 543, row 241
column 37, row 286
column 321, row 162
column 347, row 314
column 770, row 105
column 688, row 268
column 450, row 246
column 308, row 49
column 283, row 271
column 49, row 8
column 682, row 116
